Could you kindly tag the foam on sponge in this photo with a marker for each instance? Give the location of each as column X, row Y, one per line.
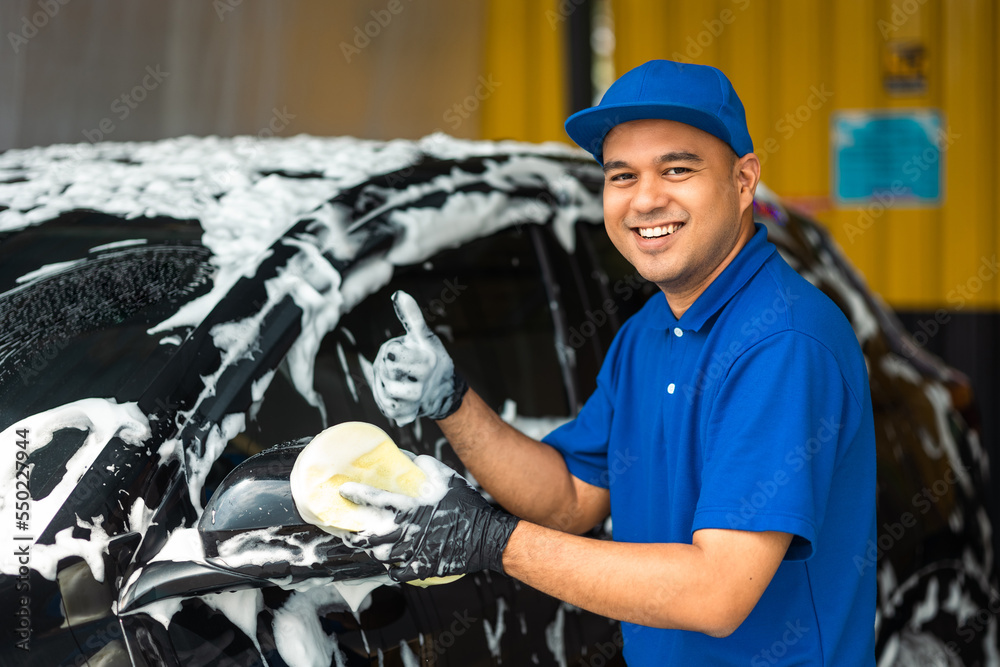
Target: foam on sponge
column 355, row 452
column 349, row 452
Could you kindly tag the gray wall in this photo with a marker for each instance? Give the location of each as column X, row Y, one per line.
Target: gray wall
column 124, row 70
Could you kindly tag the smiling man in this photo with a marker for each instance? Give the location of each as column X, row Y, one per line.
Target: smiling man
column 748, row 482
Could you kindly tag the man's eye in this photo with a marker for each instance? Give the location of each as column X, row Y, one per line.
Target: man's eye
column 677, row 171
column 621, row 177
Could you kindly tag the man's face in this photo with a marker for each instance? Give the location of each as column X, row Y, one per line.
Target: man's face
column 674, row 198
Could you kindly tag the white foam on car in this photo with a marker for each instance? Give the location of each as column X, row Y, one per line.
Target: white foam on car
column 231, row 186
column 406, row 654
column 48, row 270
column 533, row 427
column 554, row 636
column 495, row 633
column 298, row 634
column 101, row 419
column 240, row 607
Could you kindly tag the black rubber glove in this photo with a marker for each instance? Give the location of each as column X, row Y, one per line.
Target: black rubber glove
column 449, row 530
column 413, row 374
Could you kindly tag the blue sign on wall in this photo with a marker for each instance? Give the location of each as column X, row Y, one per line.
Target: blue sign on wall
column 894, row 156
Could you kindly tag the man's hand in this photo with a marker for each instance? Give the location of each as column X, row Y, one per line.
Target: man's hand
column 413, row 374
column 449, row 530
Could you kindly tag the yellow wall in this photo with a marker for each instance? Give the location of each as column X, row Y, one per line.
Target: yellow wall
column 525, row 45
column 783, row 54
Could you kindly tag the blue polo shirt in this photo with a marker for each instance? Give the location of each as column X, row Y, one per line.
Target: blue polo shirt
column 750, row 412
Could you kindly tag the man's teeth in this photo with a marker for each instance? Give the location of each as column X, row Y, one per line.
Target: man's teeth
column 665, row 230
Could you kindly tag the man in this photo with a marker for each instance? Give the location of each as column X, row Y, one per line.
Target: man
column 730, row 437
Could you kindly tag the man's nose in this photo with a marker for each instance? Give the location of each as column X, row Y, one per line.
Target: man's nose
column 650, row 195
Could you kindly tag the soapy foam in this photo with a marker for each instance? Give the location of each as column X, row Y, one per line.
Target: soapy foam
column 554, row 639
column 494, row 634
column 45, row 557
column 240, row 607
column 250, row 548
column 298, row 634
column 356, row 452
column 48, row 270
column 406, row 653
column 102, row 419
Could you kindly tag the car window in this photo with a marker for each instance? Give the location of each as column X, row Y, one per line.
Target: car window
column 621, row 282
column 82, row 331
column 488, row 303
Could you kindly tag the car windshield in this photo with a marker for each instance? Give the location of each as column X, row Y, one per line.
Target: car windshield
column 79, row 328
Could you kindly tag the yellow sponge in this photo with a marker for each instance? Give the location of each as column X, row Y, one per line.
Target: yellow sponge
column 351, row 452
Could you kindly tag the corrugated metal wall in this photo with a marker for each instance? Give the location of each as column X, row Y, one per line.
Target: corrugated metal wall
column 796, row 63
column 525, row 47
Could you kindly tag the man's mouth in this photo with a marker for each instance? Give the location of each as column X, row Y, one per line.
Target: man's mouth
column 657, row 232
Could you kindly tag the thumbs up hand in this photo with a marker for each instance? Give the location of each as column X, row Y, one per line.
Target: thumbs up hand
column 413, row 374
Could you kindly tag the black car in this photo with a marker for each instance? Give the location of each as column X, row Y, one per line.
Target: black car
column 178, row 318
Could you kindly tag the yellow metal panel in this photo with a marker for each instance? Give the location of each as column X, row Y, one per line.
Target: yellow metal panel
column 524, row 54
column 969, row 220
column 748, row 60
column 694, row 28
column 856, row 86
column 795, row 62
column 506, row 60
column 640, row 28
column 803, row 88
column 912, row 236
column 551, row 71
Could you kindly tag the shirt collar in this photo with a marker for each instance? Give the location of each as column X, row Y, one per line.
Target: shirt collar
column 746, row 263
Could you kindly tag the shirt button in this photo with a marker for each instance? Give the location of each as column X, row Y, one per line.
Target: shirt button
column 670, row 388
column 678, row 332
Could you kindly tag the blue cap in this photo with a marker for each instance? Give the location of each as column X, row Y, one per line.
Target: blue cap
column 696, row 95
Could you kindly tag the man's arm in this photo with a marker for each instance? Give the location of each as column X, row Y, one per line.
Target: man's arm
column 414, row 376
column 529, row 478
column 709, row 586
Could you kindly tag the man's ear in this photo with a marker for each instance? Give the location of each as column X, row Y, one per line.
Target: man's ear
column 747, row 172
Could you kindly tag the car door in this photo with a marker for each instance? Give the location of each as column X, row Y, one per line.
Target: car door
column 500, row 306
